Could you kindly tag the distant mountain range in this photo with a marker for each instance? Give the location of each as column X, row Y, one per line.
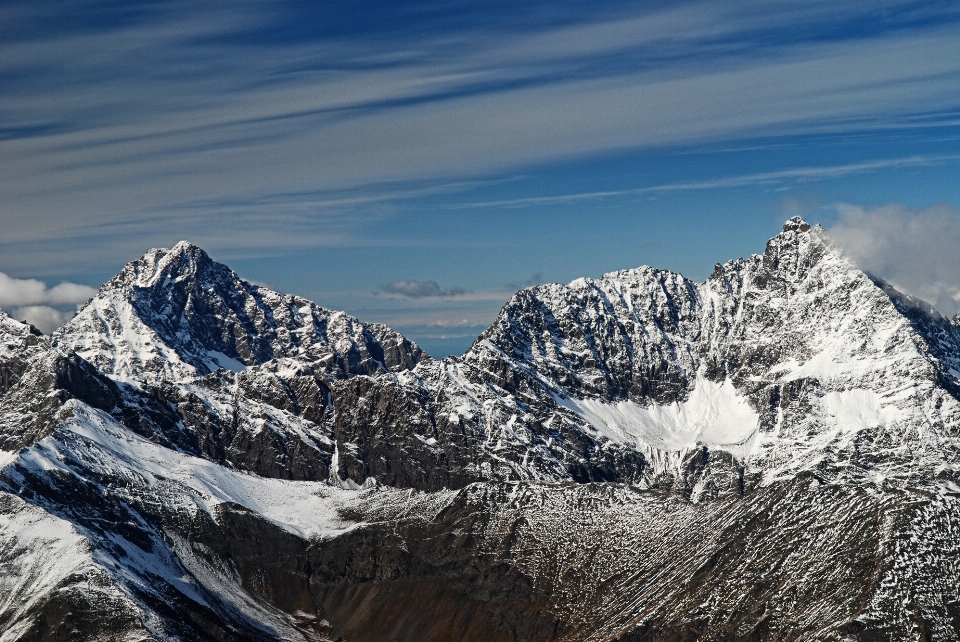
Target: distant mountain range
column 771, row 454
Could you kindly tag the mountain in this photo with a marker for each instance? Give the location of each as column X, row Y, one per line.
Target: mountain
column 771, row 454
column 198, row 359
column 176, row 314
column 18, row 342
column 789, row 361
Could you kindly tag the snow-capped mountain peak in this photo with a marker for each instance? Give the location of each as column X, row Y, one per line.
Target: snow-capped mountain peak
column 176, row 314
column 184, row 260
column 793, row 360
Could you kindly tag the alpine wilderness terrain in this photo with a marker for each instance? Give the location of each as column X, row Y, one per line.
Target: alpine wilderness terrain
column 771, row 454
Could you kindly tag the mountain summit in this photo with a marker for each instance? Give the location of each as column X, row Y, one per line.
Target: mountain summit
column 770, row 454
column 787, row 361
column 177, row 314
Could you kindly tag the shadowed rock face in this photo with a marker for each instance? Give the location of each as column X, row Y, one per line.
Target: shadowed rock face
column 31, row 408
column 200, row 421
column 397, row 435
column 184, row 460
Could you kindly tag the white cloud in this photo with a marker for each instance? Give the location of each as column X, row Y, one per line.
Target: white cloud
column 420, row 289
column 16, row 293
column 43, row 317
column 916, row 251
column 32, row 301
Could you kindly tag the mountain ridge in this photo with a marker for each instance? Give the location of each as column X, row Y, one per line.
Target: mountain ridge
column 770, row 454
column 640, row 339
column 179, row 312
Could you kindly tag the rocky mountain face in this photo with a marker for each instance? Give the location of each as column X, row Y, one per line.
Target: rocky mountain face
column 193, row 357
column 771, row 454
column 176, row 314
column 789, row 361
column 18, row 342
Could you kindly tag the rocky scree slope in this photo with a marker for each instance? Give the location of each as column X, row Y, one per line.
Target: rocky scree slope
column 193, row 447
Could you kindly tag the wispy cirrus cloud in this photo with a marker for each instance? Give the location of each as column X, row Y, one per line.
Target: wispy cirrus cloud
column 148, row 108
column 779, row 177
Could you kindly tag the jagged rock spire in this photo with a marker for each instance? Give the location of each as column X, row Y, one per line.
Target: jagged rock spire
column 796, row 224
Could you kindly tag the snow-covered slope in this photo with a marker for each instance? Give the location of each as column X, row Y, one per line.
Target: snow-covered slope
column 138, row 529
column 124, row 510
column 41, row 557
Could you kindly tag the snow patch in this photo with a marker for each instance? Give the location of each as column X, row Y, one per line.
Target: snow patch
column 216, row 359
column 307, row 509
column 820, row 366
column 6, row 457
column 714, row 415
column 856, row 410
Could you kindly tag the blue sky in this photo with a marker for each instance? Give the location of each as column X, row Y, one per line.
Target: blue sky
column 416, row 162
